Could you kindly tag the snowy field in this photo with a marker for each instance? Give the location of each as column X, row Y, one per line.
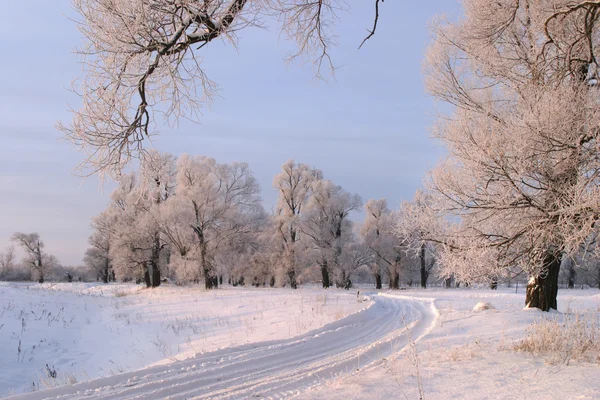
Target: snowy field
column 278, row 343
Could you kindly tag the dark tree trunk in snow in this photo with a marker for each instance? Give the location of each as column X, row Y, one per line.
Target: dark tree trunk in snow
column 377, row 280
column 325, row 274
column 105, row 273
column 394, row 280
column 542, row 289
column 424, row 272
column 292, row 277
column 147, row 277
column 572, row 274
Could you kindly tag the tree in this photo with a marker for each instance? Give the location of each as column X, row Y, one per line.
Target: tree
column 519, row 186
column 378, row 235
column 137, row 246
column 221, row 203
column 35, row 257
column 330, row 230
column 293, row 185
column 418, row 228
column 98, row 256
column 143, row 60
column 7, row 261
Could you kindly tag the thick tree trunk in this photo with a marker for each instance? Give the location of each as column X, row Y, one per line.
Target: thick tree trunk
column 377, row 280
column 105, row 273
column 394, row 280
column 292, row 277
column 325, row 274
column 424, row 272
column 147, row 278
column 572, row 275
column 41, row 279
column 542, row 289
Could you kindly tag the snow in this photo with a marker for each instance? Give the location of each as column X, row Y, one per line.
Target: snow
column 86, row 331
column 279, row 343
column 482, row 306
column 468, row 355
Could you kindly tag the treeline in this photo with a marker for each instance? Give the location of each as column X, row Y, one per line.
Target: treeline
column 192, row 219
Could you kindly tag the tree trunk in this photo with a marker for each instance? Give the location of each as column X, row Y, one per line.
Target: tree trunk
column 105, row 272
column 377, row 280
column 394, row 280
column 542, row 289
column 325, row 274
column 572, row 275
column 292, row 277
column 424, row 272
column 448, row 282
column 147, row 278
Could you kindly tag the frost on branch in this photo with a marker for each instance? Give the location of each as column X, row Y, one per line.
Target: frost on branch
column 520, row 183
column 143, row 64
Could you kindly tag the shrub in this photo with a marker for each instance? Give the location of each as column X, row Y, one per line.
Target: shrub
column 575, row 337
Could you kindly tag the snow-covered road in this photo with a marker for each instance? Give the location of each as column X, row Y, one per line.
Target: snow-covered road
column 276, row 369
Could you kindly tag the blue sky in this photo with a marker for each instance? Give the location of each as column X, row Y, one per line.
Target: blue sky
column 367, row 129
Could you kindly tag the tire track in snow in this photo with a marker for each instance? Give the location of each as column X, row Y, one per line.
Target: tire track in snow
column 272, row 370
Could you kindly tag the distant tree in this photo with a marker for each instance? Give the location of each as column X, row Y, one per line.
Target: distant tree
column 419, row 228
column 221, row 203
column 377, row 233
column 326, row 222
column 7, row 261
column 35, row 257
column 98, row 256
column 293, row 185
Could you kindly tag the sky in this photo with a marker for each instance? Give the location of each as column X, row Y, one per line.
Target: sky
column 367, row 128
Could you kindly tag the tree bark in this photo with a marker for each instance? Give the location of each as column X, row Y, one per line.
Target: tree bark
column 394, row 280
column 292, row 277
column 424, row 272
column 106, row 271
column 325, row 274
column 378, row 280
column 542, row 289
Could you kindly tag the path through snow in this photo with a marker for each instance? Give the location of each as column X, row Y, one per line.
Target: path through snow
column 276, row 369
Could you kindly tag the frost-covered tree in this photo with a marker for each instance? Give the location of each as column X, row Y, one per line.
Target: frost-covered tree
column 520, row 183
column 377, row 232
column 330, row 230
column 143, row 60
column 138, row 246
column 420, row 230
column 35, row 257
column 293, row 185
column 98, row 257
column 7, row 261
column 221, row 203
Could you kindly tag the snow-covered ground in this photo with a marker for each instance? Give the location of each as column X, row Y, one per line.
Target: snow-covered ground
column 278, row 343
column 469, row 354
column 86, row 331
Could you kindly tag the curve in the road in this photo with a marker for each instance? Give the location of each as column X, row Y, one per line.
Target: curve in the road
column 272, row 370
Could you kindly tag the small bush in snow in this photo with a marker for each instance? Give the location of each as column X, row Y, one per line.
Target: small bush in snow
column 575, row 337
column 482, row 306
